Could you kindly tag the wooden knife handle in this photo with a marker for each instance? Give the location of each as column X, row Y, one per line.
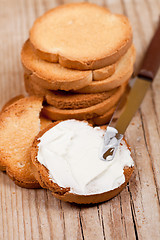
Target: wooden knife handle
column 151, row 59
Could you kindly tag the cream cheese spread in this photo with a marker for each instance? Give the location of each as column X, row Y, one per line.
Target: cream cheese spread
column 71, row 152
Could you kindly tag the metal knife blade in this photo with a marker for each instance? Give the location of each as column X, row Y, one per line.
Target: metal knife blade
column 123, row 114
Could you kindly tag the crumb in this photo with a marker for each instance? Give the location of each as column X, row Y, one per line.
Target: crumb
column 138, row 139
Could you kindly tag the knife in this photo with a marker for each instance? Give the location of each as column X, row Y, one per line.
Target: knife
column 138, row 88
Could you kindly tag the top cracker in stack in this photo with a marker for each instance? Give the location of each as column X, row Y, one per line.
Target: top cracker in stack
column 82, row 48
column 81, row 36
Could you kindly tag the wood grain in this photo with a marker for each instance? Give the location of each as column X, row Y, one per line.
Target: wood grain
column 133, row 214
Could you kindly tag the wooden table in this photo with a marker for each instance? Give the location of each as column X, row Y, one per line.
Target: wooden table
column 133, row 214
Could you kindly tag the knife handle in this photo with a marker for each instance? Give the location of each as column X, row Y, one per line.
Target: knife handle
column 151, row 59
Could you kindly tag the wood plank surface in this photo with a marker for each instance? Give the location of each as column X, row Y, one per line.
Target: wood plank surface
column 135, row 212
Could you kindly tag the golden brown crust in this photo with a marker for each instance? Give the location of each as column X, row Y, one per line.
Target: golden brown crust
column 44, row 122
column 41, row 173
column 7, row 104
column 103, row 119
column 66, row 100
column 123, row 72
column 53, row 75
column 49, row 70
column 17, row 132
column 12, row 100
column 103, row 73
column 33, row 88
column 83, row 113
column 100, row 58
column 24, row 184
column 100, row 63
column 3, row 168
column 19, row 124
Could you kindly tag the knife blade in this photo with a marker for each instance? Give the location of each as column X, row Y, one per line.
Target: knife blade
column 132, row 98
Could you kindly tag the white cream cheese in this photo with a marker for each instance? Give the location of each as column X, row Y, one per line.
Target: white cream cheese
column 71, row 150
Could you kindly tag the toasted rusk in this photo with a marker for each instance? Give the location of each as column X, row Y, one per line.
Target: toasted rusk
column 103, row 119
column 42, row 175
column 54, row 76
column 123, row 72
column 47, row 77
column 83, row 113
column 81, row 36
column 19, row 124
column 66, row 100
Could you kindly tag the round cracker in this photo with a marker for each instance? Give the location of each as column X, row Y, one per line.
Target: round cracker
column 81, row 36
column 42, row 175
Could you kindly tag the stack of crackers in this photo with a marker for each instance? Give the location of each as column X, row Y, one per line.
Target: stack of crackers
column 79, row 58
